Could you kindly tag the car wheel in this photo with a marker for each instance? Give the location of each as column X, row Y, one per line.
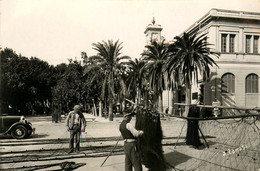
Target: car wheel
column 29, row 133
column 19, row 132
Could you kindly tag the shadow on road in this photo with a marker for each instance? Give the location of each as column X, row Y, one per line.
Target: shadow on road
column 38, row 136
column 175, row 158
column 2, row 137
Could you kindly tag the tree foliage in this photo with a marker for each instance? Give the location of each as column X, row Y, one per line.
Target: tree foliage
column 25, row 82
column 135, row 79
column 108, row 66
column 69, row 89
column 30, row 84
column 191, row 57
column 156, row 56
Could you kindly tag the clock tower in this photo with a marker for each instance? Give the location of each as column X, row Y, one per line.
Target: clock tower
column 153, row 32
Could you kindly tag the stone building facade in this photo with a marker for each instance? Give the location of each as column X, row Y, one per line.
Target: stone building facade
column 235, row 35
column 235, row 82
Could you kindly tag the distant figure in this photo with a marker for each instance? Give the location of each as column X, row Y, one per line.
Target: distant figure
column 206, row 112
column 192, row 136
column 216, row 103
column 56, row 114
column 130, row 134
column 167, row 110
column 76, row 123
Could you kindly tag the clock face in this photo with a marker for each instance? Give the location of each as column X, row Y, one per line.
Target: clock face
column 152, row 37
column 155, row 36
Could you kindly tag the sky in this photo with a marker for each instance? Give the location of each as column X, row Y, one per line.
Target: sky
column 58, row 30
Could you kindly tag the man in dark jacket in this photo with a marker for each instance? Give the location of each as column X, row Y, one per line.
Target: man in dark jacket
column 130, row 134
column 75, row 123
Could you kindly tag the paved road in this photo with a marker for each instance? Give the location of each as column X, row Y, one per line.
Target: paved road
column 47, row 149
column 49, row 146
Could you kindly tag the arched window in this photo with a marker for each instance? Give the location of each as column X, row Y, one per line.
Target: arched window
column 252, row 83
column 228, row 83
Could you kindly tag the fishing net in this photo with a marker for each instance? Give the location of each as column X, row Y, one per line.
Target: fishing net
column 150, row 144
column 233, row 144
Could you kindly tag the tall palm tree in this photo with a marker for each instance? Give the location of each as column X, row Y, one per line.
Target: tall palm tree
column 191, row 58
column 156, row 56
column 135, row 78
column 107, row 66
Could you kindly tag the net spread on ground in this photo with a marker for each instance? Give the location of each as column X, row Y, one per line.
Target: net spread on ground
column 233, row 145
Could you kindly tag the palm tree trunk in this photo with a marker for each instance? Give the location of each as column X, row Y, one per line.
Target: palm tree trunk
column 139, row 97
column 160, row 103
column 110, row 110
column 146, row 103
column 175, row 99
column 110, row 96
column 187, row 100
column 100, row 109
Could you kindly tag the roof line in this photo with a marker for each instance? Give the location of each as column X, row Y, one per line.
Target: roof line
column 215, row 12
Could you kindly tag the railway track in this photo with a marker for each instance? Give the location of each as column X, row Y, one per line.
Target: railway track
column 52, row 153
column 47, row 153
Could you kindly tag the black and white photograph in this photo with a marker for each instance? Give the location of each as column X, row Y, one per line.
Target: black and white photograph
column 129, row 85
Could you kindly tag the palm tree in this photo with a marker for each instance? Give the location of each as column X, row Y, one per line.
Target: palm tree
column 156, row 56
column 191, row 58
column 107, row 66
column 135, row 79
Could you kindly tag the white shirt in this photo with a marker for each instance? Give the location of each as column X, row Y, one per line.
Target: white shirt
column 76, row 119
column 132, row 129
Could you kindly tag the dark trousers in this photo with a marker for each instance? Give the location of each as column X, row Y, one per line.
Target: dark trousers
column 74, row 132
column 132, row 157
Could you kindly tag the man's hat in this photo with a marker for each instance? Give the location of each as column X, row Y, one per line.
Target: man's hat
column 129, row 111
column 128, row 114
column 77, row 108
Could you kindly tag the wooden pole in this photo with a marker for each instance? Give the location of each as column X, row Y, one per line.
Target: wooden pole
column 179, row 135
column 203, row 137
column 111, row 151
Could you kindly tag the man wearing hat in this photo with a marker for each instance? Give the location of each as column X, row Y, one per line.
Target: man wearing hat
column 75, row 123
column 130, row 134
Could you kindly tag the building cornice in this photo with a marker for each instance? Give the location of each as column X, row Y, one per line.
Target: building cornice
column 152, row 27
column 220, row 13
column 234, row 14
column 238, row 62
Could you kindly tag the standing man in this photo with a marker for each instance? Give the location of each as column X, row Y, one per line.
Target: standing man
column 216, row 105
column 75, row 123
column 130, row 134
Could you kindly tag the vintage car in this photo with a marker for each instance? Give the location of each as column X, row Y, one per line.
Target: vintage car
column 16, row 126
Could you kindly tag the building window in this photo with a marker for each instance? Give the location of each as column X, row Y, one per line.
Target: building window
column 252, row 44
column 248, row 40
column 228, row 43
column 228, row 83
column 252, row 83
column 195, row 96
column 223, row 42
column 255, row 44
column 232, row 43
